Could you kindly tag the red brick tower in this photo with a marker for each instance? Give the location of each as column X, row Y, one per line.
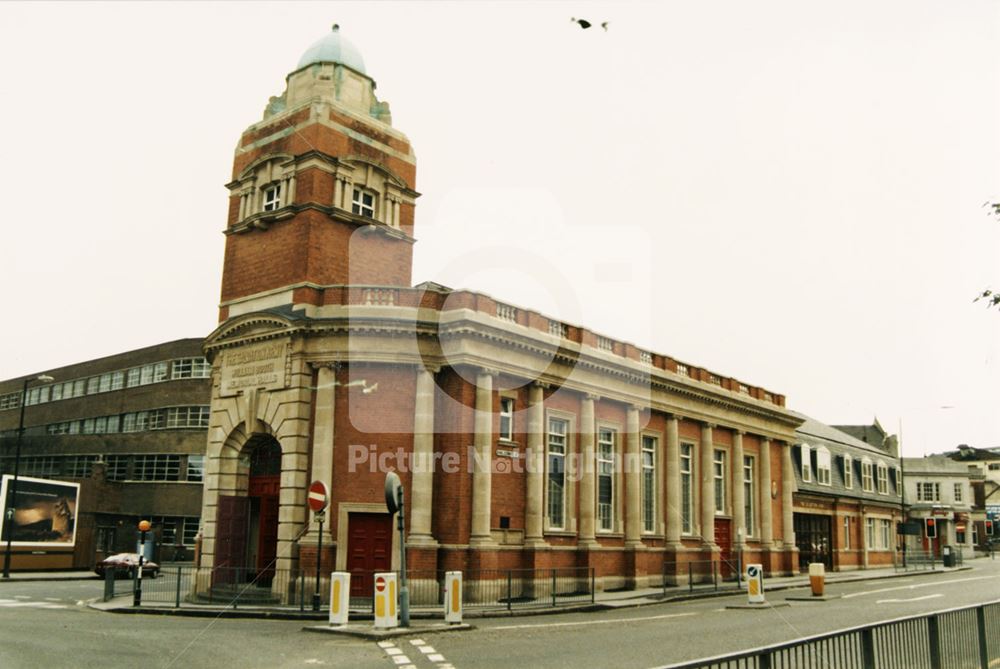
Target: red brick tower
column 322, row 190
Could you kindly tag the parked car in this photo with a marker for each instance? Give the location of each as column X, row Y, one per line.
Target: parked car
column 124, row 565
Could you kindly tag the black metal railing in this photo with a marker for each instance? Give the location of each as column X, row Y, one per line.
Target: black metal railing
column 700, row 575
column 967, row 637
column 286, row 589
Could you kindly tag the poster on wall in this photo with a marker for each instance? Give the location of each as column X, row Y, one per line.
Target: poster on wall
column 44, row 513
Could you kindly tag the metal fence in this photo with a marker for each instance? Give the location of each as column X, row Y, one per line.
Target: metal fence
column 497, row 589
column 962, row 638
column 700, row 575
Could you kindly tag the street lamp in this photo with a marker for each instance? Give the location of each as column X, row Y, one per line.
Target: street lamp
column 12, row 498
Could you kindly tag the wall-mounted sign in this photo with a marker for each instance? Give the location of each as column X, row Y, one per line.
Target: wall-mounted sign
column 259, row 366
column 44, row 511
column 507, row 453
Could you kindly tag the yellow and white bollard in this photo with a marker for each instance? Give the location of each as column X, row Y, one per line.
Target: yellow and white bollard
column 340, row 597
column 386, row 611
column 453, row 597
column 755, row 584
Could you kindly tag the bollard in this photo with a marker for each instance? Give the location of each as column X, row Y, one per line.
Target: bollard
column 340, row 597
column 453, row 597
column 386, row 611
column 755, row 584
column 817, row 578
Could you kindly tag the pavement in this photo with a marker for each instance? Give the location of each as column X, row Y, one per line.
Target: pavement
column 604, row 600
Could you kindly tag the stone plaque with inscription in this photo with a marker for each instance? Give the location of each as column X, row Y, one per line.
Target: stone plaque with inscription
column 260, row 366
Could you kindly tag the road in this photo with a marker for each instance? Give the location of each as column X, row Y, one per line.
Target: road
column 46, row 624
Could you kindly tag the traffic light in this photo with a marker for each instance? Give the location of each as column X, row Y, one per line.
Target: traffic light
column 931, row 528
column 989, row 528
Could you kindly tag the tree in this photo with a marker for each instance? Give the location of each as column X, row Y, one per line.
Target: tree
column 992, row 297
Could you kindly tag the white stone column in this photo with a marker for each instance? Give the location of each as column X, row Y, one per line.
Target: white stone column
column 787, row 488
column 588, row 502
column 633, row 479
column 766, row 532
column 243, row 207
column 707, row 486
column 535, row 465
column 323, row 434
column 291, row 189
column 739, row 502
column 422, row 477
column 338, row 192
column 395, row 214
column 673, row 477
column 482, row 481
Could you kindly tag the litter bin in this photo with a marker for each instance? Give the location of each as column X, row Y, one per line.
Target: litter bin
column 947, row 556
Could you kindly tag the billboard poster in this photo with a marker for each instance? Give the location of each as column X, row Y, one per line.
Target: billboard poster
column 44, row 513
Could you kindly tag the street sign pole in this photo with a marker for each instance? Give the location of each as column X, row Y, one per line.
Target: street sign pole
column 320, row 516
column 404, row 591
column 318, row 498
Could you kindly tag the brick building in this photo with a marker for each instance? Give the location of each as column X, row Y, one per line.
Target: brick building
column 522, row 441
column 939, row 489
column 848, row 498
column 131, row 430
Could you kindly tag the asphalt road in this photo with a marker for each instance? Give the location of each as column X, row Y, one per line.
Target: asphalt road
column 45, row 624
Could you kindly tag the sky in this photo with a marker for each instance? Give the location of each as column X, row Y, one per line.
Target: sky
column 787, row 193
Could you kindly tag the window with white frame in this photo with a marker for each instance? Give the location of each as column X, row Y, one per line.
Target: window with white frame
column 884, row 535
column 606, row 479
column 687, row 490
column 363, row 203
column 79, row 466
column 870, row 532
column 117, row 380
column 848, row 472
column 93, row 385
column 507, row 419
column 806, row 463
column 719, row 476
column 958, row 493
column 928, row 491
column 882, row 471
column 272, row 197
column 190, row 368
column 649, row 447
column 40, row 465
column 195, row 467
column 556, row 463
column 823, row 466
column 749, row 495
column 176, row 530
column 867, row 480
column 847, row 532
column 182, row 417
column 10, row 401
column 116, row 467
column 158, row 467
column 104, row 385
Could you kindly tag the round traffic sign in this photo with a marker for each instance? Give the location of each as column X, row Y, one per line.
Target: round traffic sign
column 380, row 583
column 317, row 497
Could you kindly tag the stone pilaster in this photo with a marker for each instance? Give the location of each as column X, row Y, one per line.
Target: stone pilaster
column 482, row 476
column 422, row 475
column 588, row 502
column 707, row 486
column 535, row 465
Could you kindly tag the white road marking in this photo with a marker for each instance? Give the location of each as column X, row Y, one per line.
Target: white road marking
column 401, row 659
column 314, row 661
column 426, row 650
column 617, row 621
column 916, row 585
column 13, row 604
column 899, row 601
column 393, row 651
column 436, row 657
column 417, row 642
column 386, row 644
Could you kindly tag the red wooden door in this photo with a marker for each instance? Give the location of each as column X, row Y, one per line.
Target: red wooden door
column 232, row 516
column 369, row 549
column 724, row 540
column 267, row 541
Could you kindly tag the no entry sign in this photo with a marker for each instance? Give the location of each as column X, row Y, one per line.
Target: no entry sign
column 317, row 496
column 380, row 583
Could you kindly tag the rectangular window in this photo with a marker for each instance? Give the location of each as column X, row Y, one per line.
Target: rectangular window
column 40, row 465
column 195, row 467
column 79, row 466
column 93, row 385
column 272, row 197
column 363, row 203
column 10, row 401
column 649, row 445
column 899, row 482
column 556, row 464
column 806, row 463
column 822, row 466
column 116, row 467
column 180, row 417
column 958, row 493
column 190, row 368
column 687, row 510
column 191, row 530
column 867, row 481
column 605, row 479
column 104, row 384
column 848, row 472
column 167, row 527
column 117, row 380
column 88, row 426
column 719, row 474
column 57, row 392
column 156, row 468
column 884, row 535
column 32, row 398
column 883, row 479
column 113, row 424
column 506, row 419
column 847, row 532
column 133, row 377
column 79, row 387
column 870, row 532
column 100, row 424
column 928, row 492
column 748, row 496
column 43, row 394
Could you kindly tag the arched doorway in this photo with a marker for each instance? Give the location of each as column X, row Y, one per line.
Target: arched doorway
column 247, row 524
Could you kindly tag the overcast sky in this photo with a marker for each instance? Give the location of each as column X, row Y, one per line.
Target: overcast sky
column 786, row 193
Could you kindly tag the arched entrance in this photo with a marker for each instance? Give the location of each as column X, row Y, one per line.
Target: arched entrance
column 247, row 524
